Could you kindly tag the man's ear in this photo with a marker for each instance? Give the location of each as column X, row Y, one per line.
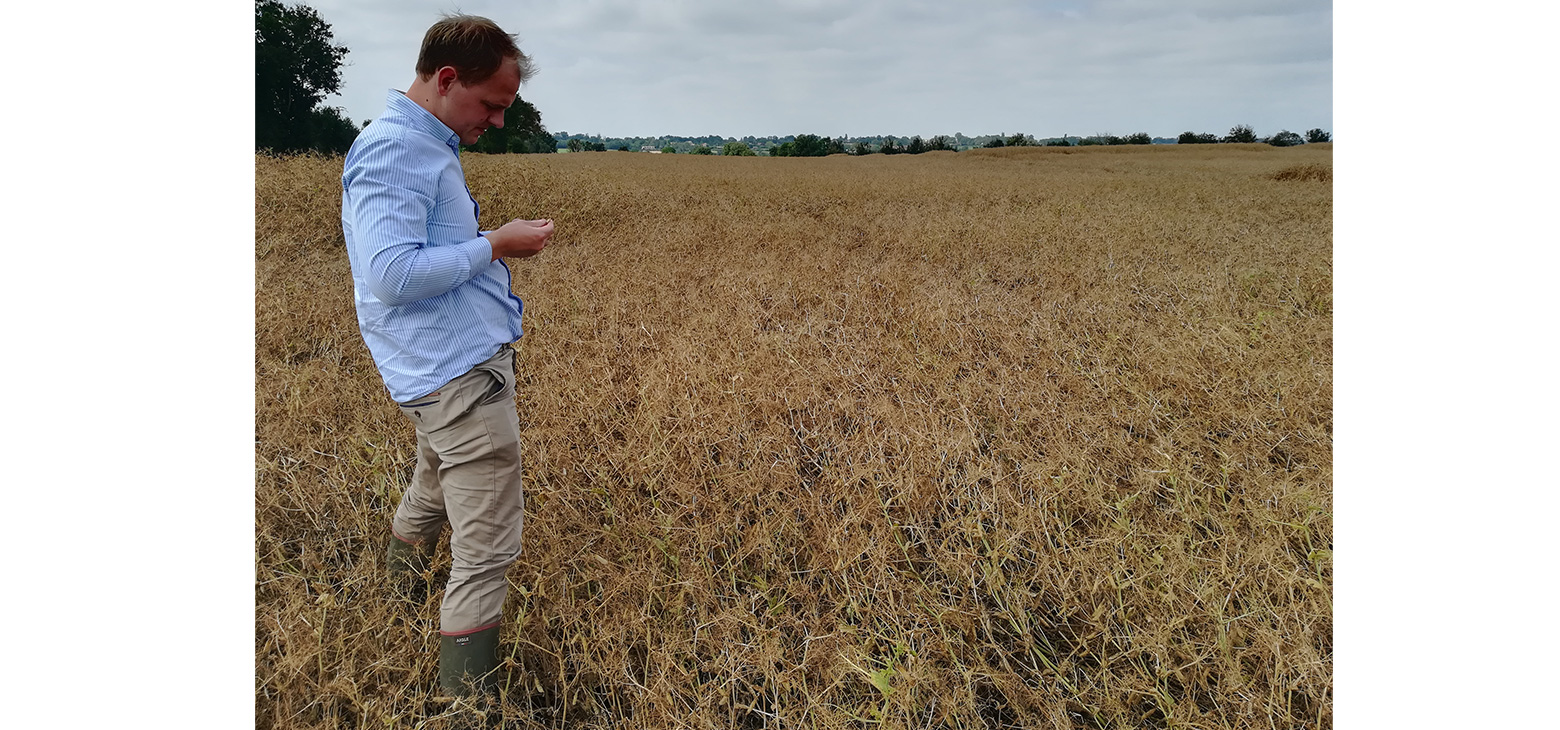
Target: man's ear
column 446, row 77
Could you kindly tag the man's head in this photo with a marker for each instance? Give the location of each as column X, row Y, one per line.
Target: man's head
column 468, row 73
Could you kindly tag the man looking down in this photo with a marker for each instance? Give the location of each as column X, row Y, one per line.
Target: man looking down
column 435, row 306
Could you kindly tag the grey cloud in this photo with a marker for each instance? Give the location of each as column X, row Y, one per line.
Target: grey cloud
column 778, row 67
column 1118, row 10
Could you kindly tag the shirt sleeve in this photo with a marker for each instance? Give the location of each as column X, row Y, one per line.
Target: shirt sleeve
column 389, row 204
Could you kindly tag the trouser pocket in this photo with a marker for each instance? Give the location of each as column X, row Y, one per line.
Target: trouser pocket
column 501, row 368
column 485, row 384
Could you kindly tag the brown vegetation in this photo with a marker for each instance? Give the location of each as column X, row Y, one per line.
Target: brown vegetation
column 1026, row 437
column 1308, row 171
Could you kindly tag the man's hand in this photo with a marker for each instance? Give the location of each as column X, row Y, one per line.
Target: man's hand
column 520, row 238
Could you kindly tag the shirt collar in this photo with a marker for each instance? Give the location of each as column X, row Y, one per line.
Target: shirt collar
column 419, row 118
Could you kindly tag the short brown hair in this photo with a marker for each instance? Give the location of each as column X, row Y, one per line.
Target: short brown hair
column 474, row 46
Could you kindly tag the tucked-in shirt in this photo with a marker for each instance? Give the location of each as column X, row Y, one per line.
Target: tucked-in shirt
column 431, row 301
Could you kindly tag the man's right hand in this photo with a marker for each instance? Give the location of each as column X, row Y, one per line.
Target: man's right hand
column 520, row 238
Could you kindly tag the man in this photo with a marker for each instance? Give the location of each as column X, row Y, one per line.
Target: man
column 436, row 310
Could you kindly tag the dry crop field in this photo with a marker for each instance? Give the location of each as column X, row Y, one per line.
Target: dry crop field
column 1028, row 437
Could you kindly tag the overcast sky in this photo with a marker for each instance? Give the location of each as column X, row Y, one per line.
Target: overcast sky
column 869, row 67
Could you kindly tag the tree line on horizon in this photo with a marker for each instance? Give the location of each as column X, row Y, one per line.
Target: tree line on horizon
column 808, row 145
column 297, row 65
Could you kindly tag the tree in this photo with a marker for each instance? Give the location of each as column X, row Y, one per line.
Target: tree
column 1019, row 139
column 522, row 133
column 737, row 149
column 993, row 143
column 1139, row 138
column 329, row 130
column 1058, row 142
column 810, row 145
column 891, row 146
column 296, row 66
column 916, row 146
column 1285, row 138
column 668, row 150
column 1317, row 135
column 1194, row 138
column 940, row 142
column 1241, row 133
column 861, row 148
column 703, row 149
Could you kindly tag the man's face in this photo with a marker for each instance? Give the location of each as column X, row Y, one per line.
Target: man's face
column 470, row 110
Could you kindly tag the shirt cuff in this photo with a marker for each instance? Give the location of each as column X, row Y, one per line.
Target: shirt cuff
column 480, row 253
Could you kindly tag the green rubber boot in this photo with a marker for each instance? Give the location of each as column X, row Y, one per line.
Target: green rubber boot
column 468, row 664
column 403, row 557
column 408, row 568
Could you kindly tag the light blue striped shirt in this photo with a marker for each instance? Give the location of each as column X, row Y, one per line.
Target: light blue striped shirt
column 431, row 301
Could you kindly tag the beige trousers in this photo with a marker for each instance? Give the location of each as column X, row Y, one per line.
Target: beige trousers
column 468, row 473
